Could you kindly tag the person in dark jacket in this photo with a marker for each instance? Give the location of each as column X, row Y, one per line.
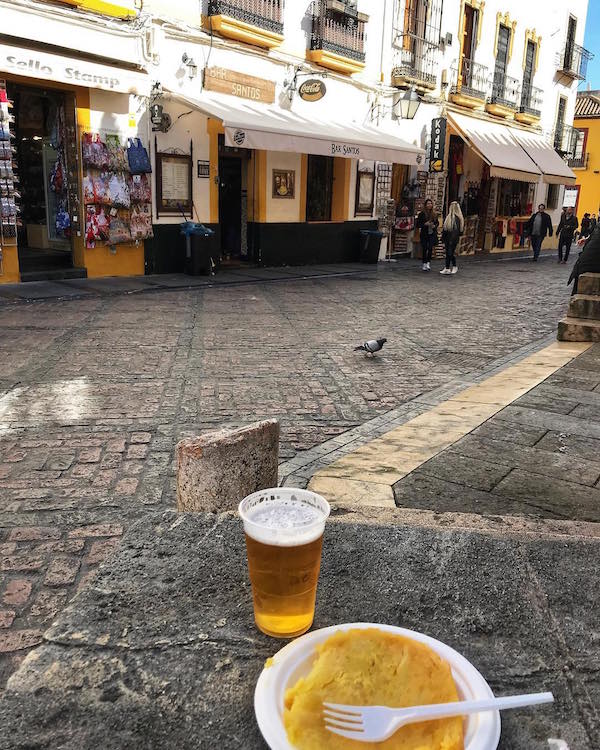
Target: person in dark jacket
column 586, row 226
column 427, row 223
column 589, row 258
column 566, row 231
column 538, row 226
column 453, row 227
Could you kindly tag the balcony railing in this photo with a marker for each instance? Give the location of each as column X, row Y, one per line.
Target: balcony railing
column 416, row 59
column 265, row 14
column 566, row 139
column 505, row 91
column 579, row 162
column 339, row 28
column 531, row 101
column 574, row 61
column 471, row 79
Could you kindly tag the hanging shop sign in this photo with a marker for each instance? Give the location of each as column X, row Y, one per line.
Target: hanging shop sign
column 239, row 84
column 312, row 90
column 438, row 144
column 49, row 67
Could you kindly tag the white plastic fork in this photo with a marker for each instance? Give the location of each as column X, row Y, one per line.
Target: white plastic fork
column 377, row 723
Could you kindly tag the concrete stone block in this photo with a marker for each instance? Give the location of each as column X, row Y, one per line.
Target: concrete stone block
column 585, row 306
column 589, row 283
column 218, row 469
column 578, row 329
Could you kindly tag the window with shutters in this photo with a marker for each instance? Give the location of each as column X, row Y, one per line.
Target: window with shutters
column 319, row 188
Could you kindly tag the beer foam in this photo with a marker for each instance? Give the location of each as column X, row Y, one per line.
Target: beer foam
column 284, row 521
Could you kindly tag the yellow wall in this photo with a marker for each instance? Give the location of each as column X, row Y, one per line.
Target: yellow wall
column 589, row 179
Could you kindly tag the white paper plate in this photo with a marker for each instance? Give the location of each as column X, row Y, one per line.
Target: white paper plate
column 482, row 731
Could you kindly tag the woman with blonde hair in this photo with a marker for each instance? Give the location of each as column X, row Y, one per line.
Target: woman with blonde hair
column 454, row 226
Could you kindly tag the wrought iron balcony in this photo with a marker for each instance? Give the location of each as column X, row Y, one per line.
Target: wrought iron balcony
column 471, row 83
column 531, row 101
column 566, row 139
column 505, row 91
column 579, row 162
column 339, row 29
column 416, row 61
column 264, row 14
column 573, row 61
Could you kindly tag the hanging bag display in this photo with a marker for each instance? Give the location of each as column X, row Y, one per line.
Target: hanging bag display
column 94, row 151
column 141, row 222
column 139, row 188
column 101, row 189
column 118, row 231
column 139, row 161
column 119, row 190
column 117, row 155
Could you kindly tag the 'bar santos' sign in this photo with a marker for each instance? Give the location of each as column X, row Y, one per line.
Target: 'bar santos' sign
column 50, row 67
column 239, row 84
column 438, row 144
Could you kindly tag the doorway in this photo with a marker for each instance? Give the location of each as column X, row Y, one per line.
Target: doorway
column 44, row 130
column 233, row 202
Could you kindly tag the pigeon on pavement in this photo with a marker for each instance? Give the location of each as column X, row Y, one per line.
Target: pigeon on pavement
column 370, row 347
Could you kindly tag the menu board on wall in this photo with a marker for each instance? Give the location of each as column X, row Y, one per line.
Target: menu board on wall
column 174, row 183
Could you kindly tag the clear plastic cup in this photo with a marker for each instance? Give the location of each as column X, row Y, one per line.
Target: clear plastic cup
column 284, row 537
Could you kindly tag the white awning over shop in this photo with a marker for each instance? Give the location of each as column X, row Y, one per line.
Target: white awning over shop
column 554, row 169
column 250, row 125
column 496, row 146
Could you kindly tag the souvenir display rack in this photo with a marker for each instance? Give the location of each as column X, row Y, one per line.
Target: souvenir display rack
column 9, row 195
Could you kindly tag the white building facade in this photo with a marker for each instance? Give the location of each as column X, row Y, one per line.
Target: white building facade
column 276, row 123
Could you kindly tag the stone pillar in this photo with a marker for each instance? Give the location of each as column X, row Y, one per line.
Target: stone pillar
column 218, row 469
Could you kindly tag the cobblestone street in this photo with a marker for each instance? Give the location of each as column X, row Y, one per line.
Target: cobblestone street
column 95, row 393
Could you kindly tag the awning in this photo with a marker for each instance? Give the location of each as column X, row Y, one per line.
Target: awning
column 554, row 169
column 250, row 125
column 496, row 146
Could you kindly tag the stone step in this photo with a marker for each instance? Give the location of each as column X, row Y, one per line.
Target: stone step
column 589, row 283
column 585, row 306
column 578, row 329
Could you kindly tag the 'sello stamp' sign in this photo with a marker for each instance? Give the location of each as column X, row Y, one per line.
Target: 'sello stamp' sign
column 238, row 84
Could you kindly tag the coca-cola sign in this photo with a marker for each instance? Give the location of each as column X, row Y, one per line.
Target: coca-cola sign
column 312, row 90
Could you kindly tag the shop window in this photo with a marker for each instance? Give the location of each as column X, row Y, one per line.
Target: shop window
column 552, row 197
column 365, row 188
column 319, row 188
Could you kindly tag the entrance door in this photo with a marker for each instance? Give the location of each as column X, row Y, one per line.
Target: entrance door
column 230, row 206
column 47, row 173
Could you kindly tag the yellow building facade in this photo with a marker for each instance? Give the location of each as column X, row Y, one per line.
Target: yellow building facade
column 586, row 160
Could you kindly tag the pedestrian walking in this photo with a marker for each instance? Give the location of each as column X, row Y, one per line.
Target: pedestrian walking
column 538, row 226
column 428, row 223
column 586, row 224
column 453, row 227
column 593, row 223
column 589, row 258
column 566, row 233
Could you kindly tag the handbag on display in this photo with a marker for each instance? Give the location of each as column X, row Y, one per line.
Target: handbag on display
column 139, row 161
column 141, row 222
column 117, row 155
column 118, row 231
column 101, row 189
column 119, row 190
column 94, row 151
column 92, row 230
column 139, row 189
column 103, row 224
column 88, row 188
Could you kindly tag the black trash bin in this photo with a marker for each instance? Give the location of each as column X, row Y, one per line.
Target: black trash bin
column 198, row 256
column 370, row 243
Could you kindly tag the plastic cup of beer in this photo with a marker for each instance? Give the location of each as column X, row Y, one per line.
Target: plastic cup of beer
column 284, row 536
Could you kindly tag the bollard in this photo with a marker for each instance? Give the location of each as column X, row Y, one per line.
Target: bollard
column 215, row 471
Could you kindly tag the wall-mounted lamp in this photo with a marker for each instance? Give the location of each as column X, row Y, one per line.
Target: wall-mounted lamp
column 408, row 104
column 190, row 64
